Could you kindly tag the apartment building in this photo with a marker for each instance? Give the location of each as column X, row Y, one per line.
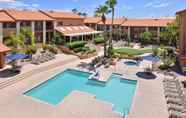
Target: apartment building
column 44, row 24
column 132, row 27
column 182, row 36
column 41, row 25
column 71, row 26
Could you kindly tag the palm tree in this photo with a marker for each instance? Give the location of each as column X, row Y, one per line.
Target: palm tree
column 102, row 11
column 111, row 4
column 15, row 41
column 75, row 10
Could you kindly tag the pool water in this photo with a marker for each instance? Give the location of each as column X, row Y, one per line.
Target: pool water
column 116, row 91
column 130, row 63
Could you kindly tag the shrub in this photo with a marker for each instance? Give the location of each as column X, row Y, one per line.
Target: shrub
column 164, row 67
column 91, row 51
column 76, row 44
column 155, row 51
column 184, row 70
column 31, row 50
column 51, row 48
column 99, row 40
column 146, row 38
column 81, row 49
column 184, row 83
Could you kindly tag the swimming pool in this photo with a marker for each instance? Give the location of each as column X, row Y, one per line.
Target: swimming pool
column 117, row 91
column 131, row 63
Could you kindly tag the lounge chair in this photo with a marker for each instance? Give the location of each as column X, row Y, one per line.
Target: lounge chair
column 174, row 95
column 172, row 100
column 176, row 114
column 175, row 107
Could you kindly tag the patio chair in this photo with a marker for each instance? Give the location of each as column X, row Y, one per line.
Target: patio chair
column 177, row 101
column 175, row 107
column 176, row 114
column 174, row 95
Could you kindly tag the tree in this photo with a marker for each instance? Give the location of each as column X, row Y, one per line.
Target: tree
column 171, row 33
column 167, row 57
column 75, row 11
column 102, row 11
column 146, row 37
column 15, row 41
column 111, row 4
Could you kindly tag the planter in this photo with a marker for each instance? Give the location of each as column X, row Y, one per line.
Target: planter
column 86, row 56
column 113, row 61
column 66, row 50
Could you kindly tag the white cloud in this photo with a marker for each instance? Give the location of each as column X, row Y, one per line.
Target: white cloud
column 125, row 7
column 20, row 4
column 161, row 5
column 7, row 1
column 148, row 4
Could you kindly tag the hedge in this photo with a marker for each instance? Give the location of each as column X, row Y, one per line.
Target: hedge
column 76, row 44
column 99, row 40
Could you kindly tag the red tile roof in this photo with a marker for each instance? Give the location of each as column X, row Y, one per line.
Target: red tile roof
column 181, row 11
column 97, row 20
column 27, row 15
column 117, row 21
column 4, row 48
column 75, row 30
column 94, row 20
column 62, row 15
column 147, row 22
column 5, row 17
column 132, row 22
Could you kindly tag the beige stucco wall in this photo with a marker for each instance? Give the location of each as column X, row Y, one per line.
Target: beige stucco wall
column 182, row 34
column 67, row 22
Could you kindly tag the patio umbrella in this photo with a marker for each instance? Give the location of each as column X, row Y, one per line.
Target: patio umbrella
column 16, row 56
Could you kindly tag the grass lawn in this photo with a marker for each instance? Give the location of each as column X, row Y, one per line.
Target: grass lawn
column 132, row 52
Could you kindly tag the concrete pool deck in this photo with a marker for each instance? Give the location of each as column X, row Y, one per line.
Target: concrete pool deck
column 148, row 102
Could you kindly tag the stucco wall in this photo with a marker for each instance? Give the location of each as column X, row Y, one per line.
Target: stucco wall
column 182, row 34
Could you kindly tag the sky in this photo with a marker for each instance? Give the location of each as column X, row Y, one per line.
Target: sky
column 124, row 8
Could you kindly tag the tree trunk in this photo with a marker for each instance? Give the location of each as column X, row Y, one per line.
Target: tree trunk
column 105, row 43
column 111, row 29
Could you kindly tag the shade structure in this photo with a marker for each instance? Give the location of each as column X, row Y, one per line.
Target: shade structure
column 76, row 30
column 3, row 50
column 16, row 56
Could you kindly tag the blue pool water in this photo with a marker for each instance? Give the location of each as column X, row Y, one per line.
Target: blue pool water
column 130, row 63
column 117, row 91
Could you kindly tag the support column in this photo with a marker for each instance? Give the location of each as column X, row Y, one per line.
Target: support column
column 128, row 32
column 33, row 27
column 18, row 27
column 158, row 34
column 55, row 25
column 96, row 27
column 44, row 32
column 147, row 29
column 70, row 39
column 1, row 32
column 82, row 37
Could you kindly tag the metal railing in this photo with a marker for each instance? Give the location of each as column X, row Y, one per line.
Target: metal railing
column 125, row 112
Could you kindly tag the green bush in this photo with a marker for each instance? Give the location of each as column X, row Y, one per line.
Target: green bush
column 76, row 44
column 184, row 83
column 146, row 38
column 155, row 51
column 81, row 49
column 184, row 70
column 99, row 40
column 164, row 67
column 51, row 48
column 91, row 51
